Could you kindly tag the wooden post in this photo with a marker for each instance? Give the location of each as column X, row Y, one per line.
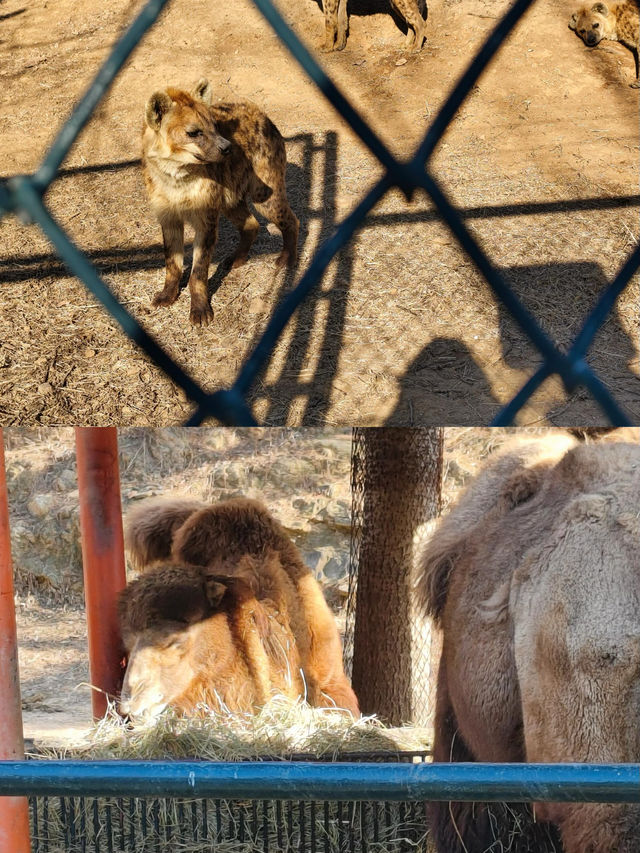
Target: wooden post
column 400, row 472
column 14, row 811
column 102, row 556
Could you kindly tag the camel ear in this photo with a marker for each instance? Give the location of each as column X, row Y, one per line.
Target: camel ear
column 239, row 588
column 214, row 592
column 240, row 581
column 203, row 91
column 495, row 609
column 600, row 8
column 522, row 486
column 158, row 106
column 573, row 21
column 237, row 575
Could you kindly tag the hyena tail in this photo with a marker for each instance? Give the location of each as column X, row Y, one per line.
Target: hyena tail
column 149, row 529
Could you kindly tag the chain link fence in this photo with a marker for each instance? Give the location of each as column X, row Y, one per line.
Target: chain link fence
column 24, row 196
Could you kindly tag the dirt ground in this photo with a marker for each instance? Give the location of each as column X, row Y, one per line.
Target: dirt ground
column 542, row 159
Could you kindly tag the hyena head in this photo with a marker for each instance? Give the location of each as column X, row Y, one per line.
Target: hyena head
column 184, row 126
column 593, row 23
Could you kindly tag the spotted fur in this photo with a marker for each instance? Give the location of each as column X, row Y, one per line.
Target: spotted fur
column 200, row 160
column 336, row 23
column 617, row 22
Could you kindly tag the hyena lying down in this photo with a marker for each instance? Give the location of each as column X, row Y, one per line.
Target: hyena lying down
column 200, row 160
column 336, row 22
column 618, row 22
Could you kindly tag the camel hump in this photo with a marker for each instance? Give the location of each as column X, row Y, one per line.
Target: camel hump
column 229, row 530
column 150, row 528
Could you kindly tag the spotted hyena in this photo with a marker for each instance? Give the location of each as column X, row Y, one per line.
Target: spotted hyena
column 336, row 22
column 200, row 160
column 618, row 22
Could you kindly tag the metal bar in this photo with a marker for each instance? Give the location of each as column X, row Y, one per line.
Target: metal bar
column 102, row 556
column 599, row 783
column 312, row 276
column 506, row 415
column 14, row 811
column 605, row 305
column 465, row 84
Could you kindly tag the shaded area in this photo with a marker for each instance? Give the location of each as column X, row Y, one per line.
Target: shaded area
column 300, row 391
column 434, row 381
column 560, row 296
column 12, row 14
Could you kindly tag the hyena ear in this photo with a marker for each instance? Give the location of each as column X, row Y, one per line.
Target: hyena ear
column 600, row 8
column 574, row 21
column 203, row 91
column 157, row 106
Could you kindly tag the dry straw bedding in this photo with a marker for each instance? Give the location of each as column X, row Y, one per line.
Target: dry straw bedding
column 281, row 729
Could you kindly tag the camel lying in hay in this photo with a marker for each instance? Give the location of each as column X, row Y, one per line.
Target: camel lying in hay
column 225, row 615
column 534, row 579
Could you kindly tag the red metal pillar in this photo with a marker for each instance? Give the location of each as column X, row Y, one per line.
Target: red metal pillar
column 14, row 811
column 102, row 556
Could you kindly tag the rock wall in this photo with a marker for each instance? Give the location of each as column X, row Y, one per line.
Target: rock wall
column 302, row 476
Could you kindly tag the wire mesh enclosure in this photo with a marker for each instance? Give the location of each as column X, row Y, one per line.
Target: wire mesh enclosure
column 124, row 825
column 24, row 196
column 146, row 825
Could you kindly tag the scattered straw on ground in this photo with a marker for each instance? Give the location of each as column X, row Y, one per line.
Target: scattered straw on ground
column 279, row 730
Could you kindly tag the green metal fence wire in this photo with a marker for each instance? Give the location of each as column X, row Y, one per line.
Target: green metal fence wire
column 24, row 196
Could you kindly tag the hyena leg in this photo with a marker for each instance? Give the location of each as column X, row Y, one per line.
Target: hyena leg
column 343, row 25
column 276, row 209
column 408, row 9
column 248, row 226
column 335, row 24
column 636, row 82
column 173, row 239
column 203, row 244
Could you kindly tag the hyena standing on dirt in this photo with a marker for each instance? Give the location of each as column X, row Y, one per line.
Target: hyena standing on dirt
column 618, row 22
column 336, row 23
column 200, row 160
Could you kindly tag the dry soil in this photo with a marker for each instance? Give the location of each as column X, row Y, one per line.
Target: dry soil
column 542, row 159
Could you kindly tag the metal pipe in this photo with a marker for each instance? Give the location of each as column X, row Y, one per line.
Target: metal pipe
column 102, row 557
column 14, row 811
column 610, row 783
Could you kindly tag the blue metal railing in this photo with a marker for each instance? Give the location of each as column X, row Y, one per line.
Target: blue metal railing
column 601, row 783
column 24, row 196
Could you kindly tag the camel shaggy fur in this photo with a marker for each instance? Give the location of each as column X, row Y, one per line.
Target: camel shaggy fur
column 225, row 613
column 534, row 580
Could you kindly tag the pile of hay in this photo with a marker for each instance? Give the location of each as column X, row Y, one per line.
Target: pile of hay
column 281, row 730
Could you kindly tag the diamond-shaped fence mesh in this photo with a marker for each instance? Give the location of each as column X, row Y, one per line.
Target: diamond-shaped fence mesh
column 24, row 196
column 389, row 649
